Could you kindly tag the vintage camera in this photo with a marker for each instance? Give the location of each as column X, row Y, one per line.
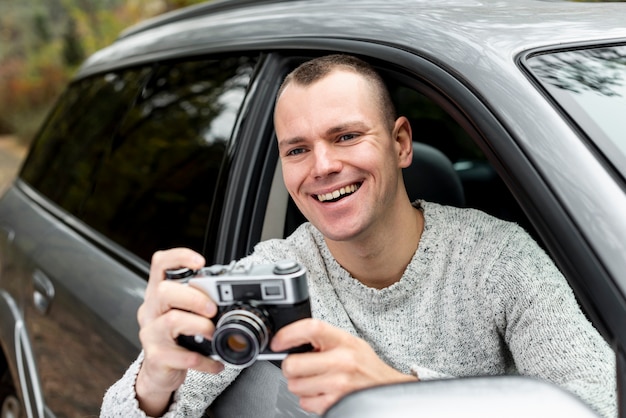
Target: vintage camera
column 253, row 302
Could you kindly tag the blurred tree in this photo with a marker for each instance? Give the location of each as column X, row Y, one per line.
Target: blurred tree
column 42, row 28
column 73, row 53
column 42, row 42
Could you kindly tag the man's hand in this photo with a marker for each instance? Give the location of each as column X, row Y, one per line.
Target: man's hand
column 339, row 364
column 169, row 310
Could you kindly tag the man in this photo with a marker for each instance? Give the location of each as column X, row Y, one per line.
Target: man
column 399, row 291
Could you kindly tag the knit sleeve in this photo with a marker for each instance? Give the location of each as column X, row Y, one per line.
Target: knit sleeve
column 191, row 400
column 120, row 400
column 548, row 335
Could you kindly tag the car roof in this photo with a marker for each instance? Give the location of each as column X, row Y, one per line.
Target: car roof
column 447, row 30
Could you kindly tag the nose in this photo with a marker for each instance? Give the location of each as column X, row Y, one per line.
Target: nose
column 326, row 161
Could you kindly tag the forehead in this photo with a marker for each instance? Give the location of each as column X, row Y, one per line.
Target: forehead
column 339, row 91
column 338, row 80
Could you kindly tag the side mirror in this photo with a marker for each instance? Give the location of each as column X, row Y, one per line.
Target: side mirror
column 484, row 397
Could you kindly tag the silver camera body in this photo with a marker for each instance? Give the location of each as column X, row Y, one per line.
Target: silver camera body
column 253, row 302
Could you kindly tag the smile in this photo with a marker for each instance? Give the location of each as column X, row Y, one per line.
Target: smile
column 338, row 194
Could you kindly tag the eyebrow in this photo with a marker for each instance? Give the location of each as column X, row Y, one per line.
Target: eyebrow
column 289, row 142
column 347, row 126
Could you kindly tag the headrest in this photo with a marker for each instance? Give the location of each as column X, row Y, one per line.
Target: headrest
column 432, row 177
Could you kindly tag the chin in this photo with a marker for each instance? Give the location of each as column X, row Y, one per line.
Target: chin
column 338, row 234
column 340, row 228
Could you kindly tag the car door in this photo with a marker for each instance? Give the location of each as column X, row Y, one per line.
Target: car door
column 129, row 163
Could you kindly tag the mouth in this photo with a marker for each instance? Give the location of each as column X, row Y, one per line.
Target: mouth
column 338, row 194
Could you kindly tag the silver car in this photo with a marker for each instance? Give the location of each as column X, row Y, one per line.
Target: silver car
column 165, row 139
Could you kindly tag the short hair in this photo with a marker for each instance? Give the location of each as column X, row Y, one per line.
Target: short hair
column 314, row 70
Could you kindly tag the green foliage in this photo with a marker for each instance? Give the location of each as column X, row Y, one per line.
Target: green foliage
column 42, row 43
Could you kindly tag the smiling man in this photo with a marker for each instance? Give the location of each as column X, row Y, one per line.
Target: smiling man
column 399, row 291
column 342, row 156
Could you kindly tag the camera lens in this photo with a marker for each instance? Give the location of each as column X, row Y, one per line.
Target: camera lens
column 237, row 343
column 240, row 335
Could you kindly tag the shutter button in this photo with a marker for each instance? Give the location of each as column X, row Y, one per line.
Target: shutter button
column 286, row 267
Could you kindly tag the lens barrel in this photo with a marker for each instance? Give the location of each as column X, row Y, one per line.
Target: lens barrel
column 240, row 335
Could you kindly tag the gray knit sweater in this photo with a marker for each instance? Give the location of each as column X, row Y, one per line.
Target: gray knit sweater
column 479, row 297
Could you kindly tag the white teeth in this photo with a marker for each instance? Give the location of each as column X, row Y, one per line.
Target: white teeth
column 337, row 193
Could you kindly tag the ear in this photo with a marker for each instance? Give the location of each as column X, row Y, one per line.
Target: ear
column 403, row 137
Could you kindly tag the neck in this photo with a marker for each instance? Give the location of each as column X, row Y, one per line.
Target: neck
column 379, row 259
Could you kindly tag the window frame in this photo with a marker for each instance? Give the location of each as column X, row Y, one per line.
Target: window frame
column 587, row 130
column 555, row 227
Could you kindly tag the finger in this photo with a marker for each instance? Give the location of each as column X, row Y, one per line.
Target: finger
column 318, row 404
column 168, row 295
column 172, row 259
column 172, row 357
column 159, row 340
column 324, row 383
column 319, row 334
column 179, row 358
column 310, row 385
column 312, row 364
column 166, row 328
column 172, row 295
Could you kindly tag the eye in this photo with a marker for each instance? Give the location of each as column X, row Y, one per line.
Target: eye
column 296, row 151
column 346, row 137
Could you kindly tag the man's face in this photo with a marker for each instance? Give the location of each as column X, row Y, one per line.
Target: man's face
column 340, row 159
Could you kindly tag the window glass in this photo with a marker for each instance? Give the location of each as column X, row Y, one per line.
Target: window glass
column 158, row 183
column 66, row 154
column 590, row 85
column 139, row 154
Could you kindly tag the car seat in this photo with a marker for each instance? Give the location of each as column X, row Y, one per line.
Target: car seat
column 432, row 177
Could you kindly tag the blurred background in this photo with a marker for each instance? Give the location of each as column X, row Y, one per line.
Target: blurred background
column 42, row 43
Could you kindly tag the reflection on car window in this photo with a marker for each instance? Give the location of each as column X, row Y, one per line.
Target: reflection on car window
column 590, row 84
column 65, row 156
column 157, row 184
column 151, row 182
